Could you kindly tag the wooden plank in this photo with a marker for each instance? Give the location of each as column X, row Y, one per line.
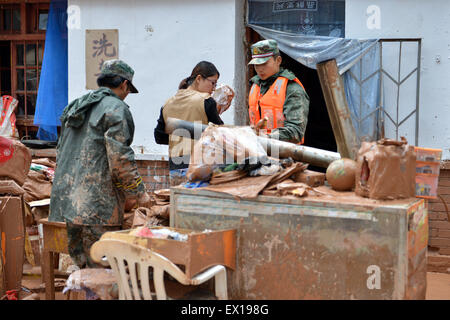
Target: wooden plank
column 23, row 20
column 338, row 111
column 200, row 251
column 43, row 153
column 12, row 232
column 23, row 1
column 2, row 272
column 22, row 37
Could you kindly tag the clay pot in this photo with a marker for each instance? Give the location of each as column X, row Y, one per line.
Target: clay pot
column 341, row 174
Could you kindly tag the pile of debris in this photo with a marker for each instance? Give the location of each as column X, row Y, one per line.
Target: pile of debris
column 230, row 160
column 15, row 160
column 157, row 215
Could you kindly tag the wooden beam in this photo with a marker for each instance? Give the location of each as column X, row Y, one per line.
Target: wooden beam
column 22, row 37
column 23, row 18
column 23, row 1
column 2, row 271
column 25, row 121
column 338, row 111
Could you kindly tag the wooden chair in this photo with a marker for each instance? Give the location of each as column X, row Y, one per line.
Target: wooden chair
column 130, row 264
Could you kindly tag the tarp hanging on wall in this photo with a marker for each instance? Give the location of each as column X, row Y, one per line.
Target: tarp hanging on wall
column 362, row 90
column 362, row 94
column 311, row 50
column 53, row 84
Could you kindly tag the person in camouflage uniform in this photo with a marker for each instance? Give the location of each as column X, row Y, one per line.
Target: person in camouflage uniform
column 96, row 169
column 289, row 124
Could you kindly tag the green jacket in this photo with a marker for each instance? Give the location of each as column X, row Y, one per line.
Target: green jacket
column 95, row 163
column 295, row 108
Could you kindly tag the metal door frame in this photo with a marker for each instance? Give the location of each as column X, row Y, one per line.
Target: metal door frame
column 380, row 108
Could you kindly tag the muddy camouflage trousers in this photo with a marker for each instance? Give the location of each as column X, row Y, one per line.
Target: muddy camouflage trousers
column 81, row 238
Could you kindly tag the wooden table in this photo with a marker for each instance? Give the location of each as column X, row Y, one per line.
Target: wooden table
column 54, row 243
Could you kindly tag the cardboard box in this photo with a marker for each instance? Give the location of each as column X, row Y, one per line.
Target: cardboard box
column 427, row 167
column 201, row 251
column 12, row 235
column 426, row 186
column 427, row 154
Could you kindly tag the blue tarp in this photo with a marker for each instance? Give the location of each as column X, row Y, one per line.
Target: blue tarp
column 53, row 84
column 357, row 61
column 362, row 90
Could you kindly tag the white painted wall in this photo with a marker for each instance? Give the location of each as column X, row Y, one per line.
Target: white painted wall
column 184, row 33
column 429, row 20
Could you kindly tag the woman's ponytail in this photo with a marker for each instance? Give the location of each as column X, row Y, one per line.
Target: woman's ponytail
column 203, row 68
column 185, row 83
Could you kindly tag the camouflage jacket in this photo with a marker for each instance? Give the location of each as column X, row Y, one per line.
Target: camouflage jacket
column 295, row 108
column 95, row 163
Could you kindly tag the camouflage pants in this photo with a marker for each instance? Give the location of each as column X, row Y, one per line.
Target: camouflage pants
column 81, row 238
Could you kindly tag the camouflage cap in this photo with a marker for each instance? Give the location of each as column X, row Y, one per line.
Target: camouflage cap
column 263, row 50
column 119, row 68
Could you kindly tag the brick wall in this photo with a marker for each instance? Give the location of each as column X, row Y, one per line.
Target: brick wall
column 155, row 174
column 439, row 226
column 439, row 236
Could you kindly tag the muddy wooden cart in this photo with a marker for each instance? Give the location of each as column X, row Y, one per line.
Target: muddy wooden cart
column 315, row 247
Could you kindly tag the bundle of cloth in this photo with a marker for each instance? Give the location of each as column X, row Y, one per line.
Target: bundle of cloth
column 39, row 181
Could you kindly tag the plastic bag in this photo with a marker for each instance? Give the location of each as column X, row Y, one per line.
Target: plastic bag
column 223, row 95
column 8, row 118
column 220, row 146
column 146, row 232
column 49, row 172
column 15, row 160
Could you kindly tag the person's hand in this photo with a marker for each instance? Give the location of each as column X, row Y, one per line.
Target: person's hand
column 144, row 200
column 261, row 125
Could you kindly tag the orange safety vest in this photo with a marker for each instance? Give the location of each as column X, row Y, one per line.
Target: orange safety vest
column 270, row 105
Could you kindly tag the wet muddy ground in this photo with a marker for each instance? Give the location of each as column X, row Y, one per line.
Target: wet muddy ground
column 438, row 286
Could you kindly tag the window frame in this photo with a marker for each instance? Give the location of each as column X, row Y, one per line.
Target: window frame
column 29, row 32
column 11, row 7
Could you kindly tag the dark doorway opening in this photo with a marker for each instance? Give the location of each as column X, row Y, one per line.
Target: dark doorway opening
column 319, row 133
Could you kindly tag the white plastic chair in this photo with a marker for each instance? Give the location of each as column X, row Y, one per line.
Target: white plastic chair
column 138, row 260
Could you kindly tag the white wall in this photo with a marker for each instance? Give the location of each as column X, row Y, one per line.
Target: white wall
column 429, row 20
column 184, row 33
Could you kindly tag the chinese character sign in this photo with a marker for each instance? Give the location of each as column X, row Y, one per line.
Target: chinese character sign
column 101, row 45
